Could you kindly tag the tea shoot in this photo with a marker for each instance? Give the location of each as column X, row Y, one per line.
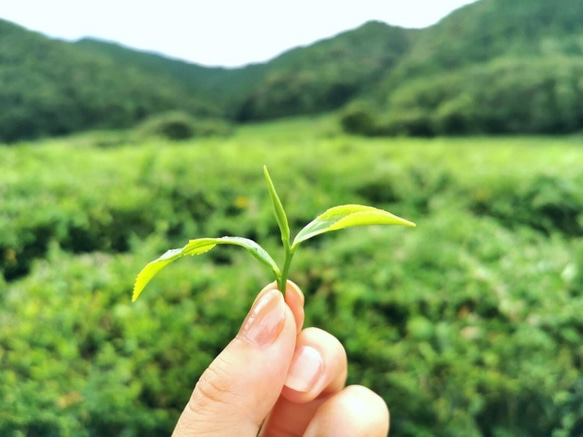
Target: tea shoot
column 334, row 219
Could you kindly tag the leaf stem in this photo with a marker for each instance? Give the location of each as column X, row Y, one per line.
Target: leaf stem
column 289, row 254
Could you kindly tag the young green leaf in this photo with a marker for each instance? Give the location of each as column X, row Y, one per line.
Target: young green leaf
column 152, row 269
column 338, row 217
column 346, row 216
column 280, row 215
column 197, row 247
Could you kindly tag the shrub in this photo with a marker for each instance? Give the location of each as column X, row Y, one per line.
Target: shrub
column 177, row 126
column 408, row 122
column 469, row 325
column 358, row 119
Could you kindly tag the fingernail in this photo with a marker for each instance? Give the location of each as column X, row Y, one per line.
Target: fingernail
column 305, row 369
column 291, row 287
column 294, row 298
column 265, row 320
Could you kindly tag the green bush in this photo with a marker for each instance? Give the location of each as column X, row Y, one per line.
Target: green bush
column 467, row 325
column 177, row 126
column 358, row 119
column 415, row 122
column 545, row 203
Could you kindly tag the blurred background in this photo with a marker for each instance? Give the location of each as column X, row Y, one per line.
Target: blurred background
column 126, row 130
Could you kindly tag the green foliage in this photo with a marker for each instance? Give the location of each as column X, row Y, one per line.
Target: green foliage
column 198, row 247
column 115, row 87
column 471, row 325
column 357, row 118
column 546, row 204
column 346, row 216
column 211, row 85
column 334, row 219
column 56, row 88
column 278, row 210
column 181, row 126
column 494, row 66
column 327, row 74
column 489, row 29
column 538, row 96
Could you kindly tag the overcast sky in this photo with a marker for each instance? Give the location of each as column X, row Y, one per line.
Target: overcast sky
column 217, row 32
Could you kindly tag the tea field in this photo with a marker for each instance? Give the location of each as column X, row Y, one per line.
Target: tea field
column 470, row 324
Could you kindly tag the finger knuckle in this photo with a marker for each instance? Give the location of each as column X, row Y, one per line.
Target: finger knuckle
column 214, row 387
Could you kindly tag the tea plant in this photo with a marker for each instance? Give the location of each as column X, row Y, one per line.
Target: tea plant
column 335, row 218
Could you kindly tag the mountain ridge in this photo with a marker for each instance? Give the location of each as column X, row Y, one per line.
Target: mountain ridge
column 115, row 86
column 50, row 87
column 492, row 66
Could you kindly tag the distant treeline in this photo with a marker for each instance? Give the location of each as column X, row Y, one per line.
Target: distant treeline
column 494, row 66
column 52, row 88
column 507, row 96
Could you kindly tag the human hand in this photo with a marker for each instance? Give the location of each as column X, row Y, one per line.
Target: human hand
column 276, row 379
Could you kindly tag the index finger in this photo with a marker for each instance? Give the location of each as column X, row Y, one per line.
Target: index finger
column 294, row 298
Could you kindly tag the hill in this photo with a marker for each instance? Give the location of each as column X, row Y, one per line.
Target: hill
column 329, row 73
column 495, row 66
column 55, row 87
column 51, row 87
column 489, row 29
column 491, row 67
column 304, row 80
column 225, row 86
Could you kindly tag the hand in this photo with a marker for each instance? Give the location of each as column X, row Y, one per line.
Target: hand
column 282, row 380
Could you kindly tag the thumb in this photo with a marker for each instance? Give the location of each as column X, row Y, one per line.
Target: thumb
column 240, row 387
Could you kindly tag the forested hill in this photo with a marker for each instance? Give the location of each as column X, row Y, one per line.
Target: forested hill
column 494, row 66
column 311, row 79
column 225, row 86
column 491, row 29
column 50, row 87
column 329, row 73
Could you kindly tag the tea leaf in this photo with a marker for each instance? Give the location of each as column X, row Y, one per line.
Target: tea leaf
column 346, row 216
column 280, row 215
column 197, row 247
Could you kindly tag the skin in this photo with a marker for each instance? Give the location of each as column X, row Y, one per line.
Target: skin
column 277, row 379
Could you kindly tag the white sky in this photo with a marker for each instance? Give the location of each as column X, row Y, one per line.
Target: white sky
column 217, row 32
